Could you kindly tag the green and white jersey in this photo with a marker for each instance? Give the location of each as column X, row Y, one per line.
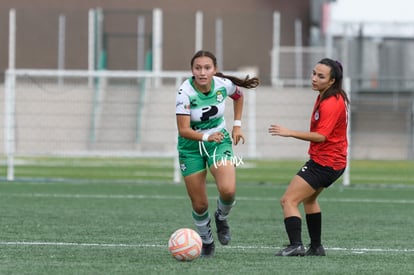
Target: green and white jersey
column 206, row 110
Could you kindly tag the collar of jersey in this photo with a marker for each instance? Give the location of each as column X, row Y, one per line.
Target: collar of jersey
column 200, row 92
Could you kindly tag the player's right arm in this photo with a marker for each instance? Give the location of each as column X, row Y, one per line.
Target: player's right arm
column 184, row 129
column 277, row 130
column 183, row 114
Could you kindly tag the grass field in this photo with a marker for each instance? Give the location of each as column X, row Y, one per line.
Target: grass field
column 114, row 216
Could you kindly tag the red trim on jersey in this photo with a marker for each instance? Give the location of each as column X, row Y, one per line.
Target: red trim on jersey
column 330, row 119
column 237, row 94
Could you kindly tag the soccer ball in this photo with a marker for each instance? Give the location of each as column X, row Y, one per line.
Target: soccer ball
column 185, row 244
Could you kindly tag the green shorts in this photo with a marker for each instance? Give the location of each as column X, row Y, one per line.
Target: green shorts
column 195, row 156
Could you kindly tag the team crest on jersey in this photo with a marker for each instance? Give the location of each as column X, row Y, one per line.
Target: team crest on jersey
column 219, row 96
column 316, row 115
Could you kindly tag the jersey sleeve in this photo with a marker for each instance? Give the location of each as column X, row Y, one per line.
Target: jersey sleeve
column 182, row 103
column 234, row 91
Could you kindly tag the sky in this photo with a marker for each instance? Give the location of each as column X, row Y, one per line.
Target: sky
column 381, row 18
column 396, row 11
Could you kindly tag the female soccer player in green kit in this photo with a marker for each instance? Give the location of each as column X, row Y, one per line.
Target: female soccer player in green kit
column 204, row 142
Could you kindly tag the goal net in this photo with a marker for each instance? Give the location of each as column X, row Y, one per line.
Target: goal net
column 89, row 113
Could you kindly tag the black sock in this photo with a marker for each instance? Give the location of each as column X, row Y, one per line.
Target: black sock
column 314, row 222
column 293, row 227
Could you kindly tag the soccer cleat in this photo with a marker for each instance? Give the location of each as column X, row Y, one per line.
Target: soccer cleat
column 223, row 230
column 292, row 250
column 207, row 250
column 315, row 251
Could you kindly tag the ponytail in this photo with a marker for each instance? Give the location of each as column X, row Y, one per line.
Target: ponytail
column 247, row 82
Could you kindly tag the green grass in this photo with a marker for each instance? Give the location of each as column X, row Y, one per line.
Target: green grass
column 161, row 170
column 114, row 216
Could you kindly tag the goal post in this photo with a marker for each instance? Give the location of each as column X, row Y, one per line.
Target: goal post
column 9, row 123
column 346, row 179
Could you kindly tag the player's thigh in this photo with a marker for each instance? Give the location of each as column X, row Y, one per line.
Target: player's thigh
column 225, row 177
column 297, row 191
column 196, row 189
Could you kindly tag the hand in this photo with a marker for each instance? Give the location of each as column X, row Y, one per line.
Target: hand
column 216, row 137
column 237, row 135
column 277, row 130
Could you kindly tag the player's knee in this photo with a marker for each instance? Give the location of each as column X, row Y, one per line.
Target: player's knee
column 287, row 202
column 227, row 195
column 282, row 202
column 200, row 207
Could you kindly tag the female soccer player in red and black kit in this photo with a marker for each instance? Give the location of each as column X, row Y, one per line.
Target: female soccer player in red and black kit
column 328, row 153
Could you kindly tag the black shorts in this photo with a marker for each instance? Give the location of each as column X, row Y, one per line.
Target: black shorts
column 319, row 176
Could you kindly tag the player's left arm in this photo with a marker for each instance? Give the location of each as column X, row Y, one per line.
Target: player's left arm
column 238, row 102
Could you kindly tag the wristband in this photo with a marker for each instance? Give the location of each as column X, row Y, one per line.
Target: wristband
column 237, row 123
column 205, row 137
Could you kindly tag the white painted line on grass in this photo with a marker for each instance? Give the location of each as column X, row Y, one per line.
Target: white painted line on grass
column 237, row 247
column 163, row 197
column 72, row 244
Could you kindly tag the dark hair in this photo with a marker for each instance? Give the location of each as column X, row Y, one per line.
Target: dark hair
column 247, row 82
column 337, row 74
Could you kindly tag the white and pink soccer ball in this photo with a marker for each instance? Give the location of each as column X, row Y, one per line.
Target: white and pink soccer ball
column 185, row 244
